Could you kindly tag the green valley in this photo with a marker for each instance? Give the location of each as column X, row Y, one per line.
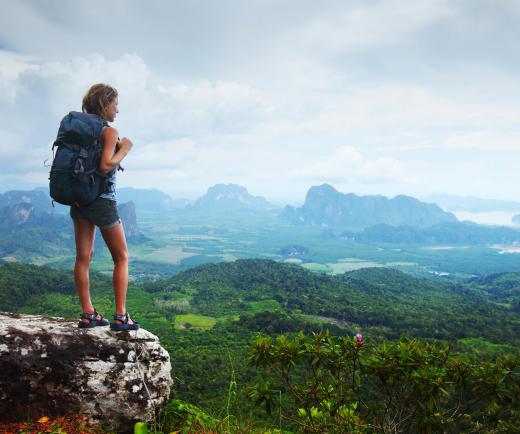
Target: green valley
column 208, row 317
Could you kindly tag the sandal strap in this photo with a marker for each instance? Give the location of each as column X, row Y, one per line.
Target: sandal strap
column 123, row 318
column 89, row 316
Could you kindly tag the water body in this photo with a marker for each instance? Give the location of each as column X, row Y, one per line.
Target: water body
column 501, row 218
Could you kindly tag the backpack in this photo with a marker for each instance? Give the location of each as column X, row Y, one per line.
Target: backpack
column 74, row 177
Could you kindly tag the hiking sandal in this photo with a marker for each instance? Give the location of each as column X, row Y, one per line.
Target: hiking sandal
column 124, row 323
column 92, row 320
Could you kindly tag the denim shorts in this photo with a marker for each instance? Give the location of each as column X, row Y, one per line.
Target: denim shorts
column 102, row 212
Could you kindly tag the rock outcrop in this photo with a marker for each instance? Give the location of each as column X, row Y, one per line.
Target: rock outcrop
column 49, row 367
column 230, row 197
column 326, row 207
column 128, row 216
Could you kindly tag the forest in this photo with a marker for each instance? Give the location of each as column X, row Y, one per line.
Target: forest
column 247, row 340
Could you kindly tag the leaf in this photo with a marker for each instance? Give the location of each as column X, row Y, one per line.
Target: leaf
column 140, row 428
column 43, row 419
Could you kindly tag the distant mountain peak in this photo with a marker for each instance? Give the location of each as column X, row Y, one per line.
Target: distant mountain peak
column 230, row 196
column 150, row 199
column 325, row 206
column 227, row 188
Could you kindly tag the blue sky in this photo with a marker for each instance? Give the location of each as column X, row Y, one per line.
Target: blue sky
column 373, row 97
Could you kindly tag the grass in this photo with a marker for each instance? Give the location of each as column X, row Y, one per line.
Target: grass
column 342, row 267
column 192, row 320
column 170, row 255
column 264, row 305
column 314, row 266
column 481, row 346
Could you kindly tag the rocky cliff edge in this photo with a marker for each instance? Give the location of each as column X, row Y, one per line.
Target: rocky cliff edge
column 50, row 367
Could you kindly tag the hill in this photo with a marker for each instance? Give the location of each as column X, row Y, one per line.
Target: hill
column 207, row 317
column 501, row 287
column 28, row 235
column 325, row 206
column 387, row 301
column 465, row 233
column 38, row 198
column 149, row 199
column 230, row 197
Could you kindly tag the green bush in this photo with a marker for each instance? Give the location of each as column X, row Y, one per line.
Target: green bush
column 340, row 384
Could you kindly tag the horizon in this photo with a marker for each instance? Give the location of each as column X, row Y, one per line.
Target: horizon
column 295, row 202
column 371, row 98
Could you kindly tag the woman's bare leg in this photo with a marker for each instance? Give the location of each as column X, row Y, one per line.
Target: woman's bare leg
column 116, row 243
column 84, row 233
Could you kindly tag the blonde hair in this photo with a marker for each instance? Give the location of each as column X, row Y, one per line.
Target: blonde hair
column 97, row 99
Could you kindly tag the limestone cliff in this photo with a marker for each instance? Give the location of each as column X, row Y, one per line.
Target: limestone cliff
column 128, row 216
column 325, row 206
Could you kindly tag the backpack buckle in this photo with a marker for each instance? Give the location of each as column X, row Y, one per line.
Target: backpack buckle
column 83, row 153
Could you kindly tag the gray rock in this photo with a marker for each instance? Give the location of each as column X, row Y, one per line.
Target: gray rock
column 49, row 367
column 128, row 216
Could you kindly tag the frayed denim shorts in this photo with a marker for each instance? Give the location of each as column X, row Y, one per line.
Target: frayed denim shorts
column 102, row 213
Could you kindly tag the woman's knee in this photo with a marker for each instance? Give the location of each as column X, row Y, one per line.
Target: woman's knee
column 84, row 257
column 121, row 256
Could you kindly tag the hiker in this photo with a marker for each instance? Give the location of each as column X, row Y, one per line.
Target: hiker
column 102, row 100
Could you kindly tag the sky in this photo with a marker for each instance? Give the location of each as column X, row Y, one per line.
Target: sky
column 373, row 97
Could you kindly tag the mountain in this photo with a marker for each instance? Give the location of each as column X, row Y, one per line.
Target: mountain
column 224, row 197
column 128, row 216
column 40, row 200
column 516, row 219
column 16, row 215
column 149, row 199
column 24, row 215
column 325, row 206
column 26, row 233
column 465, row 233
column 471, row 203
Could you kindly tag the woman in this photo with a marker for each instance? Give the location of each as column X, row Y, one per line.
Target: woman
column 102, row 100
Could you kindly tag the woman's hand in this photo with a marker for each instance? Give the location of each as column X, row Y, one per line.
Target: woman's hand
column 125, row 144
column 111, row 155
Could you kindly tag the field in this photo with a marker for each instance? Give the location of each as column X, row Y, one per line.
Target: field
column 194, row 321
column 178, row 240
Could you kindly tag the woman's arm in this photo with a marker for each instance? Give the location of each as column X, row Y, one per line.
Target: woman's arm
column 109, row 159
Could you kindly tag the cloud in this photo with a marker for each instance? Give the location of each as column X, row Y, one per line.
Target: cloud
column 168, row 154
column 374, row 24
column 153, row 112
column 271, row 95
column 348, row 166
column 484, row 140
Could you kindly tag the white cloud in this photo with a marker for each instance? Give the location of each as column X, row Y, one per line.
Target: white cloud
column 272, row 95
column 374, row 24
column 168, row 154
column 153, row 112
column 348, row 166
column 484, row 140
